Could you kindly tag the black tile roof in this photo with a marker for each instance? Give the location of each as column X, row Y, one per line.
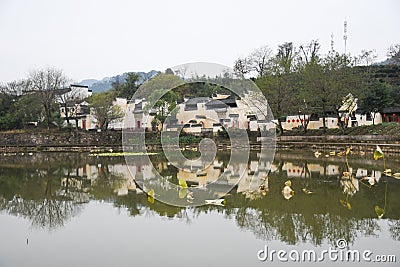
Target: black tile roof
column 391, row 110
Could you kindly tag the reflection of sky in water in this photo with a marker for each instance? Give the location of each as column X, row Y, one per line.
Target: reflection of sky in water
column 127, row 230
column 105, row 236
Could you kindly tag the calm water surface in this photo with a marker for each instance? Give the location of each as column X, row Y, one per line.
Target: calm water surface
column 78, row 210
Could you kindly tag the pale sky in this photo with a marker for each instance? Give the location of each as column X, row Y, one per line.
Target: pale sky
column 95, row 39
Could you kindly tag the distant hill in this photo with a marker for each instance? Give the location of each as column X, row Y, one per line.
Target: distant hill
column 394, row 60
column 88, row 82
column 390, row 61
column 106, row 83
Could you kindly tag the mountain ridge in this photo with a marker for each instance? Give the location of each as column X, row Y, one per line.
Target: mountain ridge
column 105, row 84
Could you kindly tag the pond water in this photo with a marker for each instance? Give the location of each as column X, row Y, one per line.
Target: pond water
column 72, row 209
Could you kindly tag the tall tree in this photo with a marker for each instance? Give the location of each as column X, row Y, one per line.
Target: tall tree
column 257, row 62
column 308, row 61
column 129, row 87
column 47, row 84
column 394, row 53
column 104, row 110
column 279, row 82
column 377, row 98
column 160, row 95
column 309, row 53
column 343, row 86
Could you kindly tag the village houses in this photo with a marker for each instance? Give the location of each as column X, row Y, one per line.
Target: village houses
column 206, row 115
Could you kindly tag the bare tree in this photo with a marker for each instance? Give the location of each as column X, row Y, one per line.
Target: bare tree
column 366, row 58
column 310, row 53
column 14, row 88
column 241, row 67
column 394, row 53
column 47, row 83
column 69, row 98
column 285, row 59
column 259, row 59
column 256, row 62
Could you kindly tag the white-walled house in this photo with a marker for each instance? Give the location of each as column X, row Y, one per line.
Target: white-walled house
column 349, row 114
column 210, row 115
column 135, row 115
column 74, row 108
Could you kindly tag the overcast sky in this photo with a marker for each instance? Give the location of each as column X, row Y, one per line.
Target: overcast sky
column 94, row 39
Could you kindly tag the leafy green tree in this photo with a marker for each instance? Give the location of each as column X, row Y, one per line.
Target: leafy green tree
column 300, row 81
column 309, row 61
column 17, row 111
column 129, row 87
column 326, row 82
column 342, row 80
column 279, row 82
column 377, row 98
column 27, row 109
column 104, row 110
column 160, row 96
column 163, row 106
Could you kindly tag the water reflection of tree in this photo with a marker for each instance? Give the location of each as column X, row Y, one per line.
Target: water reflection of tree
column 47, row 213
column 34, row 196
column 394, row 228
column 37, row 195
column 295, row 228
column 306, row 218
column 138, row 205
column 106, row 184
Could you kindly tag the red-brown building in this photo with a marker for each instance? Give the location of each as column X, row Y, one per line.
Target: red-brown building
column 391, row 114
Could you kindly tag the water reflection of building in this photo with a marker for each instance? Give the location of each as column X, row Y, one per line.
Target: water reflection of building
column 294, row 170
column 250, row 179
column 202, row 177
column 84, row 177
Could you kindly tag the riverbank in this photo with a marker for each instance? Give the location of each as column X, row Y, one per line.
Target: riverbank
column 35, row 140
column 382, row 130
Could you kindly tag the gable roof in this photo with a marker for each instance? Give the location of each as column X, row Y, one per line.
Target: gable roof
column 391, row 110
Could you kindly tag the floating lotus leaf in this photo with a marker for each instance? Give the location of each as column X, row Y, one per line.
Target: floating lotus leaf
column 379, row 211
column 345, row 204
column 217, row 202
column 287, row 192
column 150, row 196
column 396, row 175
column 388, row 171
column 378, row 153
column 306, row 191
column 183, row 192
column 183, row 183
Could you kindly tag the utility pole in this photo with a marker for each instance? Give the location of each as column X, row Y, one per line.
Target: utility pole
column 345, row 37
